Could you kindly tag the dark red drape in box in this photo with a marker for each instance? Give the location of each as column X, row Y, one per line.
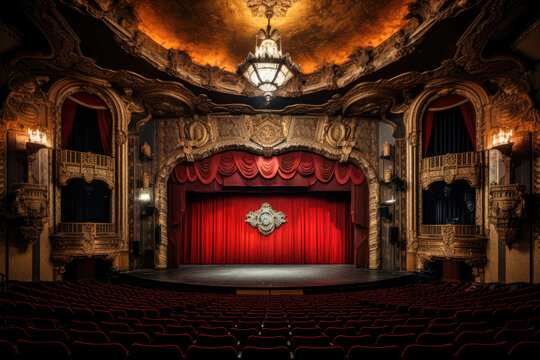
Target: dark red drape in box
column 318, row 230
column 448, row 102
column 69, row 109
column 311, row 172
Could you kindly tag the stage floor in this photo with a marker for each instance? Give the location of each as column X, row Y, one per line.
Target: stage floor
column 269, row 276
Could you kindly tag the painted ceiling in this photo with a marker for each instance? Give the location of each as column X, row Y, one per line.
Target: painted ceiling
column 314, row 32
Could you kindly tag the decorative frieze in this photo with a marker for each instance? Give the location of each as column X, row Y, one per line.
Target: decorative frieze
column 451, row 167
column 84, row 165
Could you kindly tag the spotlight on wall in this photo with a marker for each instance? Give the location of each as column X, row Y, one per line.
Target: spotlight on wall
column 145, row 196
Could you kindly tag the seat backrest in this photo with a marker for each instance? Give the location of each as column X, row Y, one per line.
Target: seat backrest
column 113, row 326
column 30, row 350
column 211, row 330
column 348, row 341
column 48, row 335
column 88, row 336
column 162, row 352
column 428, row 352
column 276, row 332
column 399, row 340
column 513, row 336
column 128, row 338
column 473, row 351
column 312, row 341
column 8, row 350
column 310, row 331
column 265, row 353
column 375, row 331
column 332, row 332
column 196, row 352
column 216, row 340
column 243, row 334
column 408, row 329
column 190, row 330
column 479, row 337
column 266, row 341
column 372, row 352
column 429, row 338
column 524, row 350
column 319, row 353
column 472, row 326
column 91, row 351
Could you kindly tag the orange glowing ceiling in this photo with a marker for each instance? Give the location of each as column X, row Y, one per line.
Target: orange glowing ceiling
column 314, row 32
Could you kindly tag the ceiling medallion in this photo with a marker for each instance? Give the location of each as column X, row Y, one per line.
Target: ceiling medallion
column 266, row 219
column 268, row 69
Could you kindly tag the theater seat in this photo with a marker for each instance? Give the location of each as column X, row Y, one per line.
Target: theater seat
column 428, row 338
column 398, row 340
column 479, row 337
column 48, row 335
column 311, row 341
column 216, row 340
column 196, row 352
column 332, row 332
column 374, row 352
column 428, row 352
column 525, row 350
column 243, row 334
column 88, row 336
column 128, row 338
column 268, row 353
column 31, row 350
column 310, row 331
column 92, row 351
column 266, row 341
column 183, row 341
column 155, row 352
column 8, row 350
column 513, row 336
column 482, row 351
column 319, row 353
column 346, row 342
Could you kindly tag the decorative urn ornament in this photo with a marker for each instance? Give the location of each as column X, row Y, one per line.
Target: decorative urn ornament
column 266, row 219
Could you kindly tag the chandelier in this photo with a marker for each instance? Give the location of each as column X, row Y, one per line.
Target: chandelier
column 268, row 69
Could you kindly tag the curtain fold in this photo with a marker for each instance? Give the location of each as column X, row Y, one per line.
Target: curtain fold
column 318, row 230
column 448, row 136
column 286, row 166
column 69, row 109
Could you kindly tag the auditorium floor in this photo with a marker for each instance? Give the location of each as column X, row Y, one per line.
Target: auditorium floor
column 270, row 276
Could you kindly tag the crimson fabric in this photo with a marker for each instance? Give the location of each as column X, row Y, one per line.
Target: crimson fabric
column 318, row 230
column 447, row 102
column 314, row 167
column 103, row 116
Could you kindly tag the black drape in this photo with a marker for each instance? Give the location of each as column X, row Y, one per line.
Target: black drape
column 86, row 202
column 449, row 133
column 449, row 204
column 85, row 135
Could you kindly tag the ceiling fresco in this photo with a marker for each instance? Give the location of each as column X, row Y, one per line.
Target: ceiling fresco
column 314, row 32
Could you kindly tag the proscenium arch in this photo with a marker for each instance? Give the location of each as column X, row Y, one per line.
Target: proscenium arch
column 355, row 158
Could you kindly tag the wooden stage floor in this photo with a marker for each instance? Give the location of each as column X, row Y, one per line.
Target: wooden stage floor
column 270, row 276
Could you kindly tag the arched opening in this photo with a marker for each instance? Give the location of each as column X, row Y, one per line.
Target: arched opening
column 85, row 202
column 86, row 124
column 449, row 204
column 325, row 203
column 449, row 126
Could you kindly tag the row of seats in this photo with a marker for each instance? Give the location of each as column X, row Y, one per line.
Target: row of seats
column 407, row 319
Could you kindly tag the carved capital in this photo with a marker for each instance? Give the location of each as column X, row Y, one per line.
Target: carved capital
column 30, row 204
column 506, row 211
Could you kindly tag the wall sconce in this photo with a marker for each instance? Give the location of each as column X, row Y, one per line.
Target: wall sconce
column 502, row 138
column 145, row 195
column 37, row 140
column 37, row 137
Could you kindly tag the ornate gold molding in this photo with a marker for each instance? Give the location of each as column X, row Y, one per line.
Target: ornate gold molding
column 30, row 204
column 506, row 211
column 451, row 167
column 84, row 165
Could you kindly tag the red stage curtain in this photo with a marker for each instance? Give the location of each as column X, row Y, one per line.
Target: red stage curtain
column 318, row 230
column 445, row 103
column 103, row 117
column 316, row 167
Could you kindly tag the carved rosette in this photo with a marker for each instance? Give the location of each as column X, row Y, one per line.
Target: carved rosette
column 506, row 211
column 340, row 135
column 266, row 219
column 268, row 130
column 193, row 134
column 30, row 204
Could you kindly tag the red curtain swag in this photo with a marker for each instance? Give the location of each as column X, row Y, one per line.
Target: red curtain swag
column 318, row 230
column 286, row 166
column 445, row 103
column 230, row 168
column 69, row 109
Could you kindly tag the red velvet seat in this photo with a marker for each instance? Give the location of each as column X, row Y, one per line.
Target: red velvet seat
column 348, row 341
column 183, row 341
column 249, row 325
column 216, row 340
column 162, row 322
column 324, row 324
column 13, row 333
column 92, row 351
column 196, row 352
column 375, row 331
column 149, row 329
column 311, row 331
column 525, row 350
column 513, row 336
column 48, row 335
column 276, row 332
column 303, row 324
column 442, row 328
column 275, row 324
column 211, row 330
column 497, row 351
column 84, row 325
column 265, row 353
column 8, row 350
column 358, row 324
column 18, row 321
column 319, row 353
column 113, row 326
column 408, row 329
column 266, row 341
column 418, row 321
column 88, row 336
column 227, row 324
column 374, row 352
column 516, row 324
column 332, row 332
column 190, row 330
column 428, row 338
column 30, row 350
column 428, row 352
column 311, row 341
column 472, row 326
column 401, row 340
column 155, row 352
column 129, row 338
column 194, row 323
